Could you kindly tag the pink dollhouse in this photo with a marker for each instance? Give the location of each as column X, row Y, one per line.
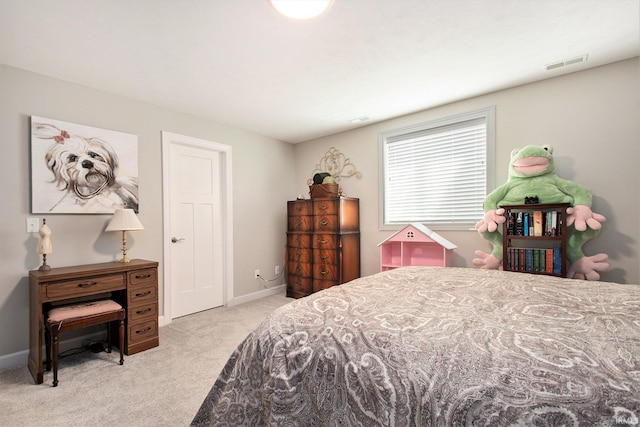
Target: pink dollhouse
column 415, row 244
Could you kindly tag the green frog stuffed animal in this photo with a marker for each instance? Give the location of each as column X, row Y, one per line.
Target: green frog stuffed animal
column 532, row 174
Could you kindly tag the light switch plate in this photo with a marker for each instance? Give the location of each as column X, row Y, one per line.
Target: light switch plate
column 33, row 225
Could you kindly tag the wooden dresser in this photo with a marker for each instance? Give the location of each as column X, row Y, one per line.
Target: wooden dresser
column 323, row 244
column 134, row 285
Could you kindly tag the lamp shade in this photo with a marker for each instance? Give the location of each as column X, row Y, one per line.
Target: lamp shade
column 124, row 219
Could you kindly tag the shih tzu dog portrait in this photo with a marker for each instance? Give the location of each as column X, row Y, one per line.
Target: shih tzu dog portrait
column 85, row 170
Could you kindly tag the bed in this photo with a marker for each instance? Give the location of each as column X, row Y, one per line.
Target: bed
column 421, row 346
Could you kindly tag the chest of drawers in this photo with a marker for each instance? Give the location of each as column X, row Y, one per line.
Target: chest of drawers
column 323, row 244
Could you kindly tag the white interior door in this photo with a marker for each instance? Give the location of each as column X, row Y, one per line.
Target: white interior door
column 196, row 224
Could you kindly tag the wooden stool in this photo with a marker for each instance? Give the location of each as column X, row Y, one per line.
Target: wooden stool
column 77, row 316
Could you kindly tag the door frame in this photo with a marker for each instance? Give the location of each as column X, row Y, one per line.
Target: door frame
column 224, row 151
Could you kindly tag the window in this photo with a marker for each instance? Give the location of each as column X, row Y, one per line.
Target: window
column 438, row 172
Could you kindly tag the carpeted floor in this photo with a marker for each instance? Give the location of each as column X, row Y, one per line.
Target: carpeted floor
column 163, row 386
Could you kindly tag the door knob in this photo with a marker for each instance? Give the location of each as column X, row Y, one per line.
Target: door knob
column 174, row 240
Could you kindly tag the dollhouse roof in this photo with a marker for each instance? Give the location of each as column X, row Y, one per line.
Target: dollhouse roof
column 426, row 232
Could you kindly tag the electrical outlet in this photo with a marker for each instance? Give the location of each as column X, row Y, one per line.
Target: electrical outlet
column 277, row 270
column 33, row 225
column 257, row 274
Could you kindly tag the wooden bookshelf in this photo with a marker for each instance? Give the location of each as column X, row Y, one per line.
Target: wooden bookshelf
column 535, row 239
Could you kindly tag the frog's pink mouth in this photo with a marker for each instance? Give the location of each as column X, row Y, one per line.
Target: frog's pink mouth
column 531, row 164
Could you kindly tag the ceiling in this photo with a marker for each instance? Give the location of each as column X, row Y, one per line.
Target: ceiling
column 238, row 62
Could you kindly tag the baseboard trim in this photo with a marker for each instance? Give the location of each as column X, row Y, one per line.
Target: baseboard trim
column 20, row 358
column 256, row 295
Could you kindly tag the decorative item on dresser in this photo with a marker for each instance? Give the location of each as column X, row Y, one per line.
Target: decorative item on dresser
column 133, row 285
column 323, row 244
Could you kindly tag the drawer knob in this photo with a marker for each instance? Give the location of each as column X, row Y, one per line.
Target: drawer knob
column 143, row 276
column 87, row 284
column 143, row 331
column 143, row 294
column 146, row 310
column 324, row 272
column 324, row 222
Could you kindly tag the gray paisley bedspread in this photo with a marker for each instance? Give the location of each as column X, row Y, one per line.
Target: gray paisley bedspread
column 421, row 346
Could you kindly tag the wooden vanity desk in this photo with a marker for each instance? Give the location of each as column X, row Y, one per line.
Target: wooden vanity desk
column 134, row 285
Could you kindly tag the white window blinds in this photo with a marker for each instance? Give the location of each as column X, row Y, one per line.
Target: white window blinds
column 436, row 173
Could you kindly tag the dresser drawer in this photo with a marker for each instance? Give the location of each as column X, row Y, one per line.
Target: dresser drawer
column 319, row 285
column 298, row 286
column 326, row 207
column 143, row 277
column 299, row 240
column 299, row 207
column 142, row 331
column 325, row 272
column 299, row 255
column 300, row 223
column 138, row 312
column 325, row 241
column 84, row 286
column 325, row 256
column 143, row 294
column 326, row 223
column 302, row 269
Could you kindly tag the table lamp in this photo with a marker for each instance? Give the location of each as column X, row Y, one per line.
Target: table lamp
column 124, row 220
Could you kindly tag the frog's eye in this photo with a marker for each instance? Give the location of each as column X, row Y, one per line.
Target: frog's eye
column 514, row 151
column 548, row 147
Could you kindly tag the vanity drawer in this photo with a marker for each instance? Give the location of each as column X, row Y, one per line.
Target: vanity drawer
column 137, row 312
column 143, row 277
column 84, row 286
column 141, row 295
column 142, row 331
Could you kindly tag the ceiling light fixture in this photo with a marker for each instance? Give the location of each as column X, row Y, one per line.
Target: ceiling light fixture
column 300, row 9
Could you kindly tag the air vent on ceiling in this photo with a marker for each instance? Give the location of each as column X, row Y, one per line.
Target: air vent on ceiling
column 566, row 62
column 359, row 119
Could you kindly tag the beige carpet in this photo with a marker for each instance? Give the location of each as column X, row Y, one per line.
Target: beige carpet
column 163, row 386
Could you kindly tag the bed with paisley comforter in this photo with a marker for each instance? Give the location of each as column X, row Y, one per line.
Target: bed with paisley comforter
column 429, row 346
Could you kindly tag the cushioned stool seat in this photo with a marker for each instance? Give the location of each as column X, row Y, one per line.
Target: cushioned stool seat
column 77, row 316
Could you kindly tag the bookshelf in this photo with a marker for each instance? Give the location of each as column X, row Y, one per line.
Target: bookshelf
column 535, row 239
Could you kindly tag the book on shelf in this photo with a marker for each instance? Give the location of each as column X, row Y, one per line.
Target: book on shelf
column 534, row 260
column 537, row 223
column 548, row 260
column 519, row 231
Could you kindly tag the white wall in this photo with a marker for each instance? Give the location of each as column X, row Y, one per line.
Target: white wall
column 262, row 183
column 592, row 118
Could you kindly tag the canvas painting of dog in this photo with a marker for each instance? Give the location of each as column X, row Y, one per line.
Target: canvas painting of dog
column 82, row 169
